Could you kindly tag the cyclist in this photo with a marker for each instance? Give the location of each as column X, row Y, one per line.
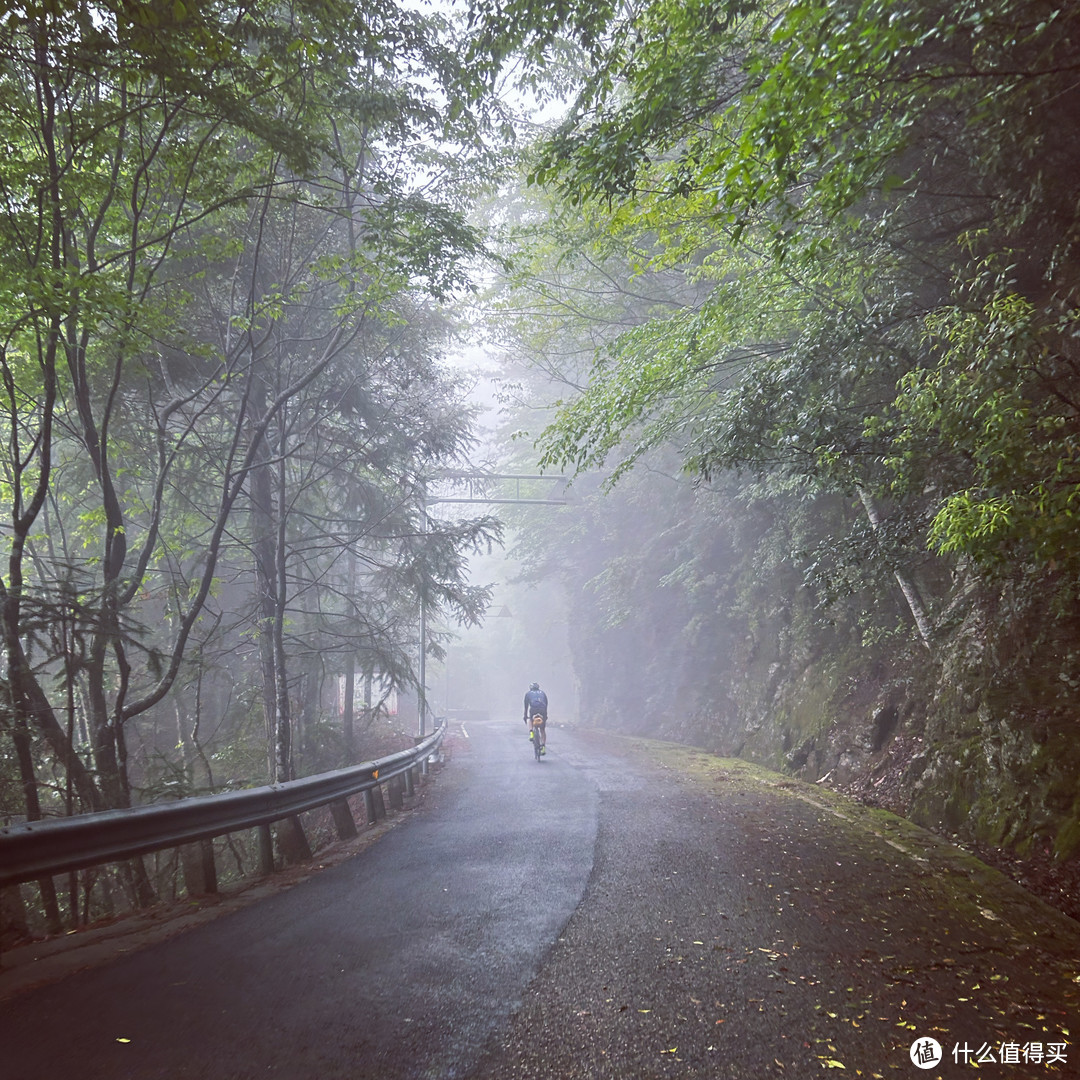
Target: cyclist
column 536, row 702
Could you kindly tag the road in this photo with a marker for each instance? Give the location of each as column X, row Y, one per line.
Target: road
column 615, row 911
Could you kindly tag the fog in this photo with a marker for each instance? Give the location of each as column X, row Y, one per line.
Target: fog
column 522, row 640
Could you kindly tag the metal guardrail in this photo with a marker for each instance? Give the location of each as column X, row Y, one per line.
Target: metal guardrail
column 37, row 849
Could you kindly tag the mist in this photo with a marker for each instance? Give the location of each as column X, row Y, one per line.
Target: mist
column 522, row 639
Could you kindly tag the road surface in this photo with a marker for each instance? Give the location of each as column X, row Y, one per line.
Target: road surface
column 596, row 915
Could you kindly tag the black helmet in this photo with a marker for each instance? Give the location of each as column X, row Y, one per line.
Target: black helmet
column 535, row 686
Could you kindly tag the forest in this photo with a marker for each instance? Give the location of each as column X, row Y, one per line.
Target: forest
column 788, row 289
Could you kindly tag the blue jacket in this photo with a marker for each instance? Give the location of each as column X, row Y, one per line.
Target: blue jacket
column 535, row 702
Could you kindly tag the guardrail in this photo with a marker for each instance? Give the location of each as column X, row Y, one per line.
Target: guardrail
column 38, row 849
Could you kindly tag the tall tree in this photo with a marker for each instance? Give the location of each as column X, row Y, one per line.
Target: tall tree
column 196, row 229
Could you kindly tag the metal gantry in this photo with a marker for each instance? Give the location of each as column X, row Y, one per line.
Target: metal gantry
column 471, row 477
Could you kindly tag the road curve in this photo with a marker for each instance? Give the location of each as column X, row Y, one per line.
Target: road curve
column 594, row 916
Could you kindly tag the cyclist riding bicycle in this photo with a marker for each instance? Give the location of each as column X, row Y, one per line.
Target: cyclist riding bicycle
column 536, row 702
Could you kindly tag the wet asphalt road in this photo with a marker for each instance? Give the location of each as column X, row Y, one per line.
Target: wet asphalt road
column 591, row 916
column 397, row 963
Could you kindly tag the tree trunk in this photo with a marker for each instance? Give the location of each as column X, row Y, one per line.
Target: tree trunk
column 29, row 699
column 347, row 709
column 369, row 711
column 102, row 737
column 268, row 544
column 284, row 740
column 24, row 753
column 266, row 608
column 907, row 586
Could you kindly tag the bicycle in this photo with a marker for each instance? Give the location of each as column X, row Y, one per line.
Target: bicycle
column 536, row 734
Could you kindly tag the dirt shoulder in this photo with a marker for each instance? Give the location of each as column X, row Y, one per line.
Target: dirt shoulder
column 977, row 874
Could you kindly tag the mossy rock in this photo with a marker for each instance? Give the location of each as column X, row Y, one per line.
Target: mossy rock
column 1067, row 841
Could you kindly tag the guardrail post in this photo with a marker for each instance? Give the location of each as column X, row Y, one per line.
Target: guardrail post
column 343, row 819
column 200, row 873
column 13, row 912
column 369, row 806
column 410, row 786
column 393, row 789
column 292, row 841
column 380, row 804
column 266, row 850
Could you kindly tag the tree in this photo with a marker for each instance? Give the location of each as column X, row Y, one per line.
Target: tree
column 839, row 177
column 211, row 242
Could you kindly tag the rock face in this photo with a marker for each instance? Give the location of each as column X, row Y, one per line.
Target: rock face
column 775, row 632
column 977, row 741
